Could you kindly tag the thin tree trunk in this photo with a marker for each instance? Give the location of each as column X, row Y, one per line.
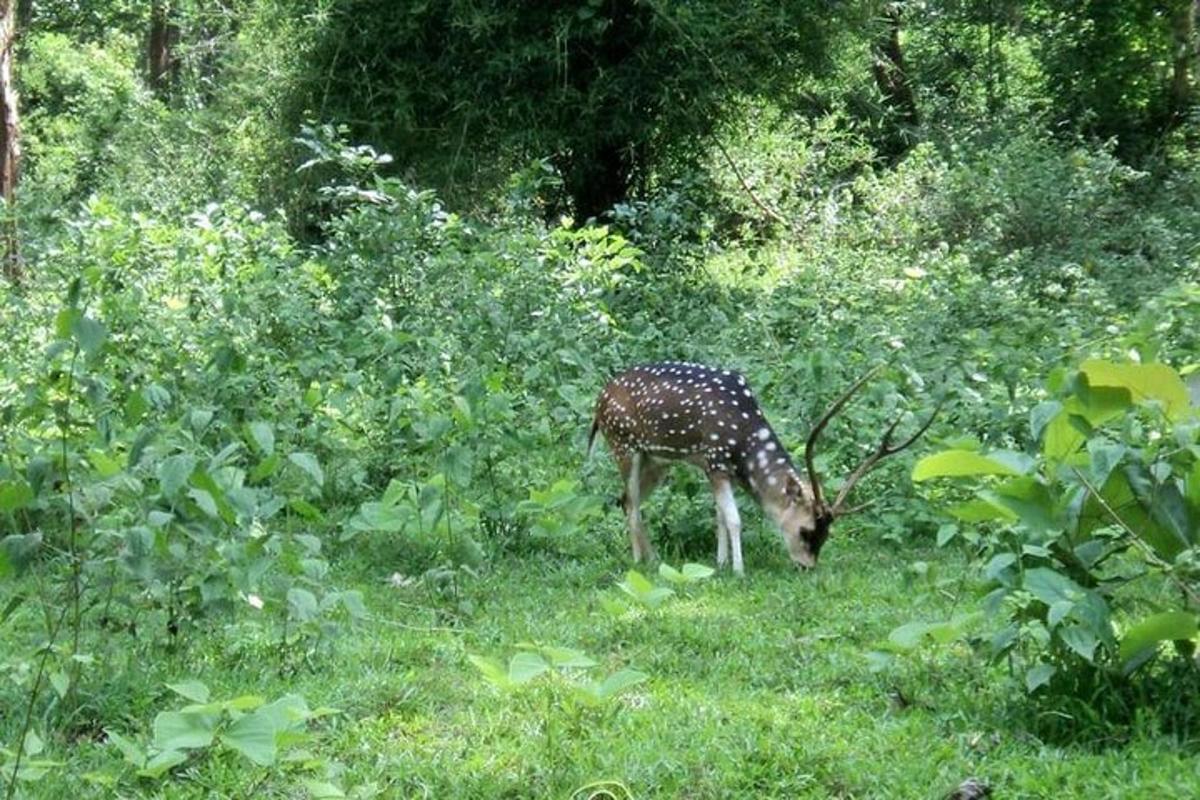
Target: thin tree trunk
column 161, row 63
column 1183, row 34
column 891, row 74
column 990, row 78
column 599, row 179
column 10, row 142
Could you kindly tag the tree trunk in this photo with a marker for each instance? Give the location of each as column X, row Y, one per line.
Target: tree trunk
column 891, row 76
column 10, row 142
column 1185, row 53
column 599, row 180
column 161, row 64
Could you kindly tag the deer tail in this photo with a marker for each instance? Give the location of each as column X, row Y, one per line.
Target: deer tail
column 592, row 436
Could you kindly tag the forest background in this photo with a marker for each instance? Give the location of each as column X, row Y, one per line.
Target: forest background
column 306, row 304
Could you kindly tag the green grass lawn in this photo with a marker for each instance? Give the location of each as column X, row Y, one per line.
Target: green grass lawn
column 758, row 687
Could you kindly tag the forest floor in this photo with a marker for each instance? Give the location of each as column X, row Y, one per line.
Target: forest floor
column 757, row 687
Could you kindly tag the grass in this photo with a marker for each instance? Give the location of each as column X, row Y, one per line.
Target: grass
column 758, row 687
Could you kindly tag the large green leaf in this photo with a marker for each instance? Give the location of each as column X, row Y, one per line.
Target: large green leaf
column 1145, row 382
column 1119, row 495
column 697, row 572
column 690, row 573
column 175, row 730
column 639, row 587
column 1193, row 488
column 1097, row 405
column 263, row 435
column 1164, row 503
column 310, row 466
column 14, row 495
column 174, row 471
column 958, row 463
column 980, row 510
column 997, row 566
column 1062, row 438
column 132, row 751
column 157, row 766
column 90, row 334
column 323, row 790
column 492, row 670
column 1028, row 499
column 1040, row 417
column 220, row 503
column 1051, row 586
column 908, row 636
column 17, row 551
column 253, row 735
column 192, row 690
column 1167, row 626
column 383, row 517
column 1037, row 676
column 620, row 681
column 205, row 501
column 1104, row 457
column 526, row 666
column 566, row 657
column 1080, row 639
column 288, row 713
column 302, row 604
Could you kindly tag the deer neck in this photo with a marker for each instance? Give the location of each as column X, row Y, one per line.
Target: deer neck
column 769, row 472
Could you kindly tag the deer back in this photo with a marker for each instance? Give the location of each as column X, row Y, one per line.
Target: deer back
column 681, row 410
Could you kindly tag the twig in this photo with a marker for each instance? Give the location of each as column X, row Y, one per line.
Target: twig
column 407, row 627
column 763, row 207
column 73, row 542
column 719, row 74
column 33, row 695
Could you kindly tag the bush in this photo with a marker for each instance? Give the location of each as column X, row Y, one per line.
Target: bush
column 1093, row 541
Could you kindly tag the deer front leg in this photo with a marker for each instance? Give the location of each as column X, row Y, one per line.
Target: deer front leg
column 722, row 540
column 727, row 518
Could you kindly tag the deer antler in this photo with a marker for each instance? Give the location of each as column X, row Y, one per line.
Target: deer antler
column 813, row 480
column 884, row 450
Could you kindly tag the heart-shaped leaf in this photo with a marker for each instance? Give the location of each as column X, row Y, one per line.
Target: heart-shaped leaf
column 492, row 670
column 192, row 690
column 1166, row 626
column 253, row 735
column 526, row 666
column 308, row 463
column 175, row 730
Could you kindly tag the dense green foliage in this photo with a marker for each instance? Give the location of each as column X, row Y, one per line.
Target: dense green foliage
column 611, row 89
column 295, row 395
column 1102, row 524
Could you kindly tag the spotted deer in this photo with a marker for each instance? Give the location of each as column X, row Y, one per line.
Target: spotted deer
column 654, row 414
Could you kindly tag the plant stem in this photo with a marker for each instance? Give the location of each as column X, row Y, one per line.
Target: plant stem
column 33, row 695
column 76, row 585
column 1147, row 551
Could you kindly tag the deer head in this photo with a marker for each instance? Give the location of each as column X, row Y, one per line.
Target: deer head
column 812, row 515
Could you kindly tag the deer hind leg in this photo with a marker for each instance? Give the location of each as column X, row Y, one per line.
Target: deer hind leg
column 641, row 475
column 729, row 522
